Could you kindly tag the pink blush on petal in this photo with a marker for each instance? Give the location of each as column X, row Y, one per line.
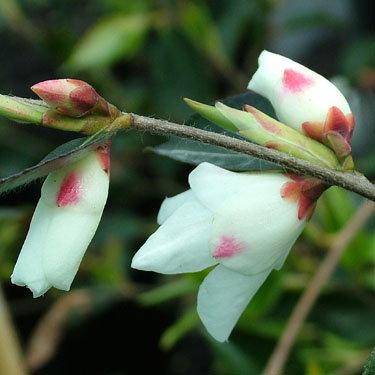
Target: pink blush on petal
column 228, row 247
column 69, row 192
column 295, row 81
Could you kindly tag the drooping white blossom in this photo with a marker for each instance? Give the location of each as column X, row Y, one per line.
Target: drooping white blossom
column 244, row 223
column 64, row 222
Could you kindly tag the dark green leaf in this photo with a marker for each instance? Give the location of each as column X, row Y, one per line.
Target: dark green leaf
column 193, row 152
column 62, row 156
column 370, row 365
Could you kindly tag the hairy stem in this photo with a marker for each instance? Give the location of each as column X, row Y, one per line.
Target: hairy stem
column 349, row 180
column 26, row 110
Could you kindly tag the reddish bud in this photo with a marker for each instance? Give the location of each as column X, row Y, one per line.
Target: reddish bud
column 71, row 97
column 305, row 191
column 336, row 132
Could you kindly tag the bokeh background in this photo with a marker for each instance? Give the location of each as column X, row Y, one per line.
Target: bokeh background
column 145, row 56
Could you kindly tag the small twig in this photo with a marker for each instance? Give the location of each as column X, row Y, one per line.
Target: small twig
column 350, row 181
column 280, row 354
column 27, row 110
column 11, row 361
column 47, row 334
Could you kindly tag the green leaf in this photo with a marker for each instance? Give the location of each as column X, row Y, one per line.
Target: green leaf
column 233, row 359
column 166, row 292
column 109, row 40
column 193, row 152
column 61, row 157
column 370, row 365
column 200, row 28
column 181, row 327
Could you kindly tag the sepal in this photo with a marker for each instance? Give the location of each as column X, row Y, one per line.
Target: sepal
column 264, row 130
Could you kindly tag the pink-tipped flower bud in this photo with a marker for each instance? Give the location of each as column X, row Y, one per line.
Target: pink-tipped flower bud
column 306, row 101
column 71, row 97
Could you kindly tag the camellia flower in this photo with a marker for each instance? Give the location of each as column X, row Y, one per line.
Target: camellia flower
column 305, row 101
column 244, row 223
column 64, row 222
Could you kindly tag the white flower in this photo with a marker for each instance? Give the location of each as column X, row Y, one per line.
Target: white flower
column 64, row 222
column 302, row 98
column 243, row 223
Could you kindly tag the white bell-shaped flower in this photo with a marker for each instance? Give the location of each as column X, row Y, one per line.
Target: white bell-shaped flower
column 245, row 223
column 302, row 98
column 64, row 222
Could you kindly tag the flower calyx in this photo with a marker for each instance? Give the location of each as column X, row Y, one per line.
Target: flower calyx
column 305, row 191
column 262, row 129
column 74, row 105
column 336, row 133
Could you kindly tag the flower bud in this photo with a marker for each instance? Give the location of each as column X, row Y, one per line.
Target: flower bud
column 262, row 129
column 305, row 101
column 71, row 97
column 64, row 222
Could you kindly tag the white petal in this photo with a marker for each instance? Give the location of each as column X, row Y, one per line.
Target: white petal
column 29, row 269
column 309, row 101
column 93, row 185
column 254, row 230
column 170, row 205
column 270, row 72
column 66, row 244
column 223, row 296
column 212, row 185
column 59, row 234
column 71, row 228
column 180, row 244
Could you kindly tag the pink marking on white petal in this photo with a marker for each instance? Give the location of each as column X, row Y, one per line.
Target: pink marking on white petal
column 228, row 247
column 295, row 81
column 69, row 192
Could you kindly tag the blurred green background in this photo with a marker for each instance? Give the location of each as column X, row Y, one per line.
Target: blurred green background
column 144, row 56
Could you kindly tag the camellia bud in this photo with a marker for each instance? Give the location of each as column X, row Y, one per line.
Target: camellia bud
column 72, row 97
column 63, row 224
column 306, row 101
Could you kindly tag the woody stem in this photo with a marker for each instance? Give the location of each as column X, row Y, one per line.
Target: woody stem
column 352, row 181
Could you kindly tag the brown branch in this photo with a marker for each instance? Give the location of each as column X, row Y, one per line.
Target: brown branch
column 350, row 181
column 47, row 334
column 11, row 361
column 27, row 110
column 280, row 354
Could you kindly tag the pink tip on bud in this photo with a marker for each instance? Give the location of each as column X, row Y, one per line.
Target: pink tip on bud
column 71, row 97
